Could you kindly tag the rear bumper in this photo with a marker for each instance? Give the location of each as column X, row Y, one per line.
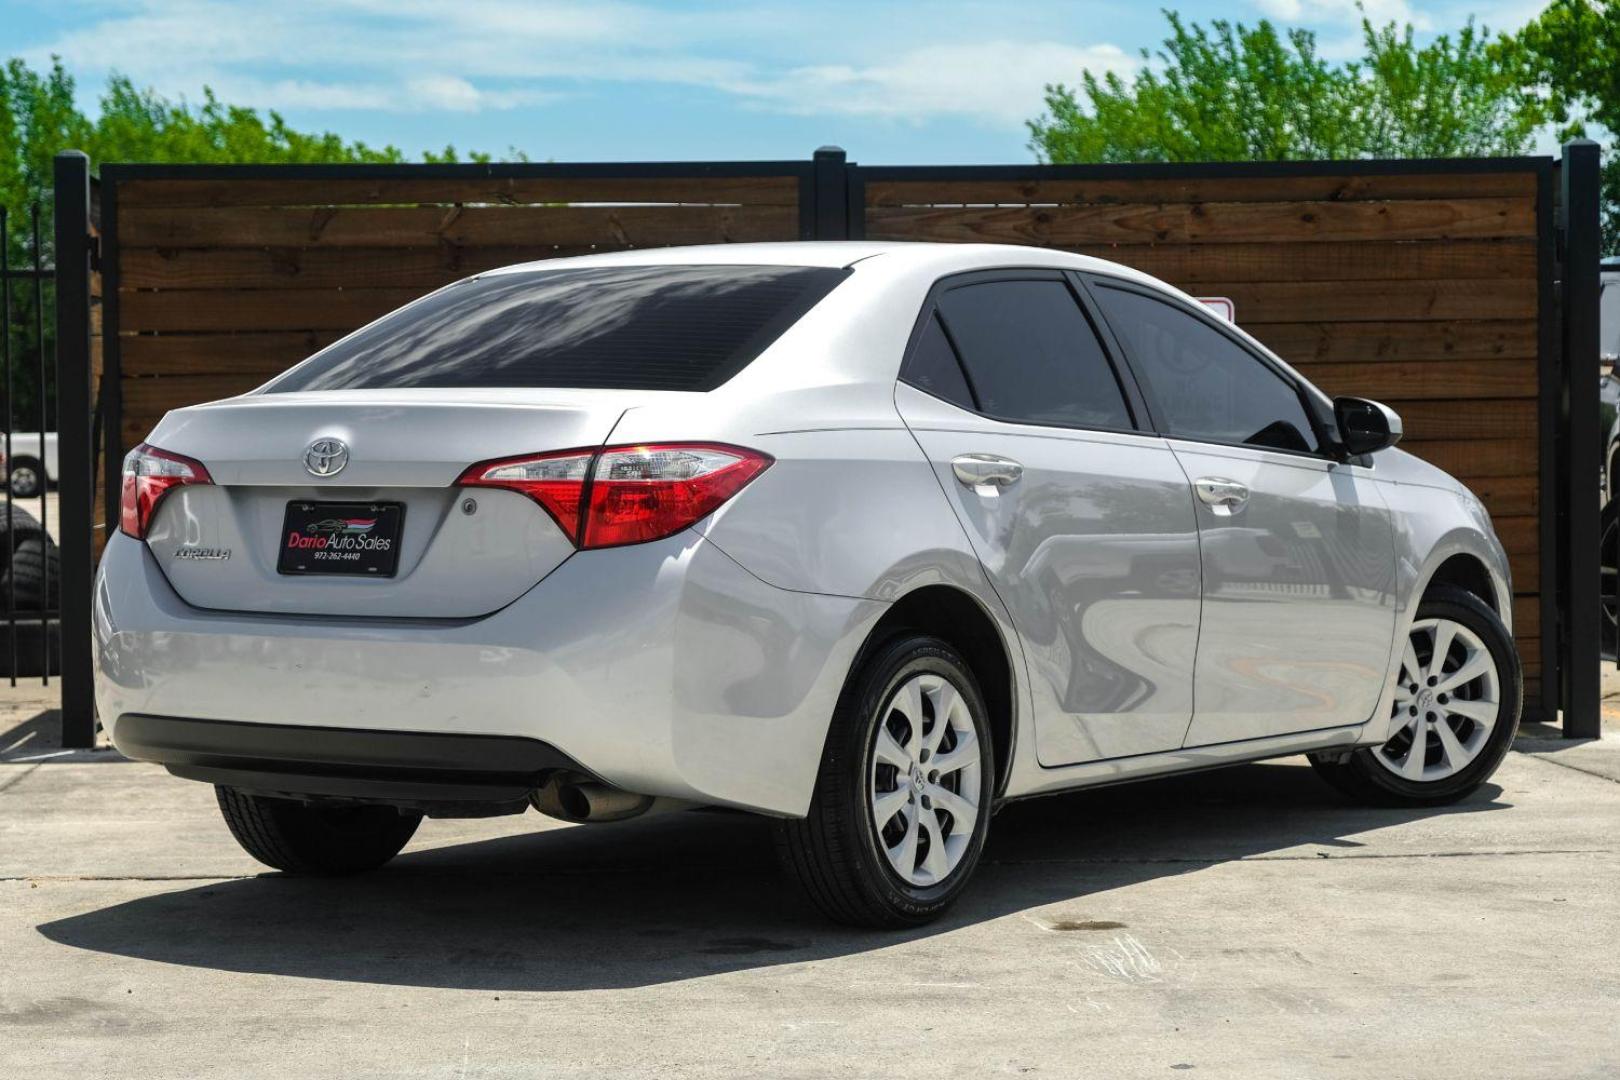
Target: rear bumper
column 437, row 772
column 663, row 668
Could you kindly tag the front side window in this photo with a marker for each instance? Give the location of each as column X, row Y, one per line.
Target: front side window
column 1206, row 385
column 1032, row 356
column 687, row 327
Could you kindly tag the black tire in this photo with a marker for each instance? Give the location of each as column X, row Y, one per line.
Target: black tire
column 320, row 840
column 17, row 525
column 834, row 852
column 34, row 575
column 1359, row 775
column 26, row 478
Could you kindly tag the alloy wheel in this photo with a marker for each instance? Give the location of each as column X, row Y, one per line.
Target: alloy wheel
column 924, row 780
column 1447, row 702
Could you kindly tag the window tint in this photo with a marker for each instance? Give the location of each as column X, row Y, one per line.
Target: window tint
column 1032, row 355
column 1204, row 383
column 932, row 366
column 642, row 328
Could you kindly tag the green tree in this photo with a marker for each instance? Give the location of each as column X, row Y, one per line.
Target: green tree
column 38, row 118
column 1235, row 93
column 1572, row 51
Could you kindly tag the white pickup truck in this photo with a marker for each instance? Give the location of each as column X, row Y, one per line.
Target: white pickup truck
column 29, row 465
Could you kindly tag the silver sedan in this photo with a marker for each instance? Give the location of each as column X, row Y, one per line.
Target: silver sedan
column 868, row 538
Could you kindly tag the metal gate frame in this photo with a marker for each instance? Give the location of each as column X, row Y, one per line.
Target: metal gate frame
column 831, row 207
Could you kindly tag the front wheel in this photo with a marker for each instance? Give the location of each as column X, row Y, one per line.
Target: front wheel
column 300, row 838
column 902, row 803
column 1455, row 710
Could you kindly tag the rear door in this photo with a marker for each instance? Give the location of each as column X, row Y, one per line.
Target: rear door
column 1083, row 522
column 1298, row 549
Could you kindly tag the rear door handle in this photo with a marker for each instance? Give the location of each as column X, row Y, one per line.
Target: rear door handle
column 986, row 473
column 1224, row 497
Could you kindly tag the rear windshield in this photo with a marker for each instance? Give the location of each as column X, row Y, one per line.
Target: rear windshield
column 635, row 328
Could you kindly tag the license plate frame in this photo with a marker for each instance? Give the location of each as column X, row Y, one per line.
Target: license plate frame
column 340, row 539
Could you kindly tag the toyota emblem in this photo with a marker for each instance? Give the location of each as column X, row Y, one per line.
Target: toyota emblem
column 326, row 457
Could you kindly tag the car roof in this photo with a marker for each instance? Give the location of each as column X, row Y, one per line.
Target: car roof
column 938, row 258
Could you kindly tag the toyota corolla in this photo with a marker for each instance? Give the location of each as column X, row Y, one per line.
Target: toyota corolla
column 869, row 539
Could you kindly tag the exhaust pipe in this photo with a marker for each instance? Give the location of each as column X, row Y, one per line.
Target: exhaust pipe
column 576, row 798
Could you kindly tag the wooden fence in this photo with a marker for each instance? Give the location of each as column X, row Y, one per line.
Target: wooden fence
column 1426, row 285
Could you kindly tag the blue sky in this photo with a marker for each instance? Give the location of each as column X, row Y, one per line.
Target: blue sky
column 573, row 80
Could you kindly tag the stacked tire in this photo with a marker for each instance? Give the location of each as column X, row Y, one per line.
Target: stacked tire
column 30, row 577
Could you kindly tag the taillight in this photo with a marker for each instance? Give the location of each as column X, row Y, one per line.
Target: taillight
column 555, row 481
column 149, row 474
column 625, row 494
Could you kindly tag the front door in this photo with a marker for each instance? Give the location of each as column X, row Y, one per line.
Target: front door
column 1084, row 523
column 1298, row 549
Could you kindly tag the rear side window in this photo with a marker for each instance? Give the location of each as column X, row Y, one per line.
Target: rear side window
column 1032, row 356
column 932, row 366
column 637, row 328
column 1206, row 385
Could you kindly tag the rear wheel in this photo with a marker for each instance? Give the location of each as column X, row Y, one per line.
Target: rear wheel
column 902, row 804
column 1456, row 707
column 325, row 840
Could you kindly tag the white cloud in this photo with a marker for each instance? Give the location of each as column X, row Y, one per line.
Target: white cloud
column 995, row 81
column 1379, row 12
column 420, row 55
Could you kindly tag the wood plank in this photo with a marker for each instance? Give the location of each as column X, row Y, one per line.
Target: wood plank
column 1502, row 457
column 147, row 399
column 260, row 309
column 1199, row 268
column 1199, row 189
column 261, row 354
column 1526, row 571
column 1339, row 342
column 1428, row 420
column 1527, row 617
column 1426, row 380
column 1378, row 301
column 323, row 268
column 1506, row 495
column 1205, row 268
column 745, row 190
column 536, row 226
column 1520, row 535
column 1277, row 222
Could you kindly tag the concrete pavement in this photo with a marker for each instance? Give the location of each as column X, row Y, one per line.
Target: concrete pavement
column 1238, row 924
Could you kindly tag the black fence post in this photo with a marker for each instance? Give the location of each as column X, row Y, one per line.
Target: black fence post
column 831, row 194
column 76, row 460
column 1580, row 583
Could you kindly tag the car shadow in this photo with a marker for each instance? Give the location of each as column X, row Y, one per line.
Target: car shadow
column 688, row 895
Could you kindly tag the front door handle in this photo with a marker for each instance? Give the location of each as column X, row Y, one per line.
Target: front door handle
column 986, row 473
column 1224, row 497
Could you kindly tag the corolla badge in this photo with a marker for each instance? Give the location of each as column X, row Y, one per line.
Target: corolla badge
column 326, row 457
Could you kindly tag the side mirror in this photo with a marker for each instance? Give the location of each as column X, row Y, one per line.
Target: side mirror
column 1365, row 426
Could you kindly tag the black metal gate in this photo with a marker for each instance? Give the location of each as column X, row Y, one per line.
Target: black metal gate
column 29, row 574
